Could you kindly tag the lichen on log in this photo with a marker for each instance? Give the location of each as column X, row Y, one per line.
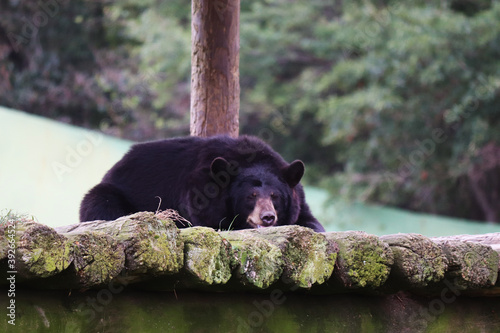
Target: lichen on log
column 4, row 243
column 491, row 239
column 149, row 251
column 256, row 262
column 308, row 257
column 470, row 265
column 418, row 261
column 364, row 261
column 206, row 256
column 96, row 258
column 152, row 244
column 40, row 251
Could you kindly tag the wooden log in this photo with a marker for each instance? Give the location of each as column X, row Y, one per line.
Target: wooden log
column 39, row 250
column 152, row 244
column 364, row 261
column 207, row 257
column 417, row 261
column 96, row 259
column 7, row 238
column 256, row 262
column 491, row 239
column 470, row 265
column 308, row 257
column 148, row 248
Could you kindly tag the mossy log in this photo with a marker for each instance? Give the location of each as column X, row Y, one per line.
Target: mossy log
column 96, row 258
column 470, row 265
column 364, row 261
column 418, row 261
column 39, row 251
column 308, row 257
column 257, row 263
column 152, row 245
column 4, row 242
column 207, row 257
column 147, row 250
column 492, row 239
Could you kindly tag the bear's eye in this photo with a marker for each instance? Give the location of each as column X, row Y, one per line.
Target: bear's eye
column 253, row 195
column 273, row 195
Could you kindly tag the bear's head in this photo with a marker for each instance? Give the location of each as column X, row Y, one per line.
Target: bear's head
column 261, row 195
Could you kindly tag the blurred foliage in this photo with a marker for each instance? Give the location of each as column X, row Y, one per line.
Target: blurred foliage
column 392, row 102
column 87, row 63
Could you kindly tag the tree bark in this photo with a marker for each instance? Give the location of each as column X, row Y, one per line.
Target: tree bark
column 215, row 88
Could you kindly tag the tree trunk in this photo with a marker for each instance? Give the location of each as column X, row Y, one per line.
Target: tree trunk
column 215, row 88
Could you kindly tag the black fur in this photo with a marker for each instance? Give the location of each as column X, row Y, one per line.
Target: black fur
column 212, row 182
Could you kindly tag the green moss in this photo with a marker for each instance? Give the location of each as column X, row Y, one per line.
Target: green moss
column 256, row 261
column 475, row 265
column 40, row 250
column 97, row 258
column 156, row 247
column 206, row 255
column 417, row 260
column 364, row 260
column 309, row 258
column 492, row 262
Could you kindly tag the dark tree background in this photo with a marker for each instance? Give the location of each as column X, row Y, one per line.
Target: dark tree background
column 392, row 102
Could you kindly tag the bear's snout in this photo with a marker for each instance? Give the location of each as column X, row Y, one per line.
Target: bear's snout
column 263, row 214
column 268, row 218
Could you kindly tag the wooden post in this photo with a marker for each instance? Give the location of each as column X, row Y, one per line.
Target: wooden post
column 215, row 87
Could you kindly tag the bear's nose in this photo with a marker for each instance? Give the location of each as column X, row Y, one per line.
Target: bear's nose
column 268, row 218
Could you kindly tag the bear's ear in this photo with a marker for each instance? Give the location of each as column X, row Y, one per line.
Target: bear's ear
column 293, row 173
column 218, row 164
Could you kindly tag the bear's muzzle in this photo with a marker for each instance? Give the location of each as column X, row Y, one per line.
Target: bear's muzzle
column 263, row 214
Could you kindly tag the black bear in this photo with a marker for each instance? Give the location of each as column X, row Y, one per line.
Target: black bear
column 219, row 182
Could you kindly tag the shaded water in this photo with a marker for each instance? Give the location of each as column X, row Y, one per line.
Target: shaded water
column 111, row 310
